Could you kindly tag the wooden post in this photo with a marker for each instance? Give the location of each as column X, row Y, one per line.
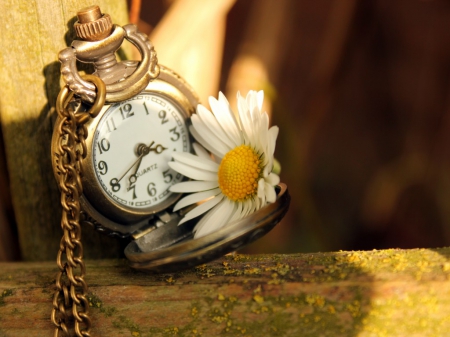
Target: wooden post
column 263, row 46
column 346, row 294
column 32, row 33
column 190, row 39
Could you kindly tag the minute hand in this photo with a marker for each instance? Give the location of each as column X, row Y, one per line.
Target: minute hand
column 142, row 151
column 137, row 161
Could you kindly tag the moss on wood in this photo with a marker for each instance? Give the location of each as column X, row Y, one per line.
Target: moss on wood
column 375, row 293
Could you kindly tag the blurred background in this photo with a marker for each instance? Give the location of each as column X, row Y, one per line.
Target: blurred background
column 360, row 91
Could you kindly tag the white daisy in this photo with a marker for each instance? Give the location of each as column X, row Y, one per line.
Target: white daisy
column 237, row 179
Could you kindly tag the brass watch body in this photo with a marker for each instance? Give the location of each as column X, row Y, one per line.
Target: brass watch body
column 99, row 208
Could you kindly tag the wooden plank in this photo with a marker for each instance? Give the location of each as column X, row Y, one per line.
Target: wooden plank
column 375, row 293
column 32, row 34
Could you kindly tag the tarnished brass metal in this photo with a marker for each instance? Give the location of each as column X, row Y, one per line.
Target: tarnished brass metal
column 89, row 14
column 92, row 25
column 123, row 79
column 70, row 304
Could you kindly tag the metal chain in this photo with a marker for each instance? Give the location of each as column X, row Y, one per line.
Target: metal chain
column 70, row 312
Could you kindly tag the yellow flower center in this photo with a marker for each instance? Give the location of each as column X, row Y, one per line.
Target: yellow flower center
column 239, row 173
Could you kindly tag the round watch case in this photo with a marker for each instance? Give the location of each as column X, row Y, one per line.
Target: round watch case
column 115, row 217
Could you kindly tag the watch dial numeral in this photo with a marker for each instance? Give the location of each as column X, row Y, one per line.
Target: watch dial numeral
column 176, row 134
column 102, row 168
column 103, row 145
column 111, row 125
column 133, row 187
column 126, row 112
column 167, row 176
column 115, row 185
column 145, row 107
column 162, row 114
column 151, row 189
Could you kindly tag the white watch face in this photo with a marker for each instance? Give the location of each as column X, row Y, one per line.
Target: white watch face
column 132, row 146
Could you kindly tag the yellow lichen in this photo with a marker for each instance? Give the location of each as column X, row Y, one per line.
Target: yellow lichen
column 258, row 299
column 446, row 267
column 315, row 300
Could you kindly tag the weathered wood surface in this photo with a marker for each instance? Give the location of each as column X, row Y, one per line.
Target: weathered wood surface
column 31, row 35
column 375, row 293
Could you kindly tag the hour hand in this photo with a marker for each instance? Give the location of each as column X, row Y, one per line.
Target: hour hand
column 157, row 148
column 143, row 150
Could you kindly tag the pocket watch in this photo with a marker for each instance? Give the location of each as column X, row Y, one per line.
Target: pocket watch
column 126, row 176
column 128, row 145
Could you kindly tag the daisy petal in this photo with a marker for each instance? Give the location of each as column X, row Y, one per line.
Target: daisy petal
column 260, row 192
column 237, row 213
column 246, row 207
column 192, row 172
column 228, row 119
column 195, row 161
column 193, row 186
column 273, row 179
column 257, row 203
column 200, row 151
column 252, row 103
column 261, row 201
column 209, row 215
column 209, row 135
column 203, row 208
column 244, row 118
column 204, row 143
column 270, row 193
column 213, row 124
column 223, row 212
column 263, row 135
column 272, row 139
column 260, row 98
column 225, row 117
column 195, row 197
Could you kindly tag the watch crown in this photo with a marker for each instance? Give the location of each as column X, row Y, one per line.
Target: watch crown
column 92, row 25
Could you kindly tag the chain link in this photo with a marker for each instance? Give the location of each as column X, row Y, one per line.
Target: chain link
column 70, row 312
